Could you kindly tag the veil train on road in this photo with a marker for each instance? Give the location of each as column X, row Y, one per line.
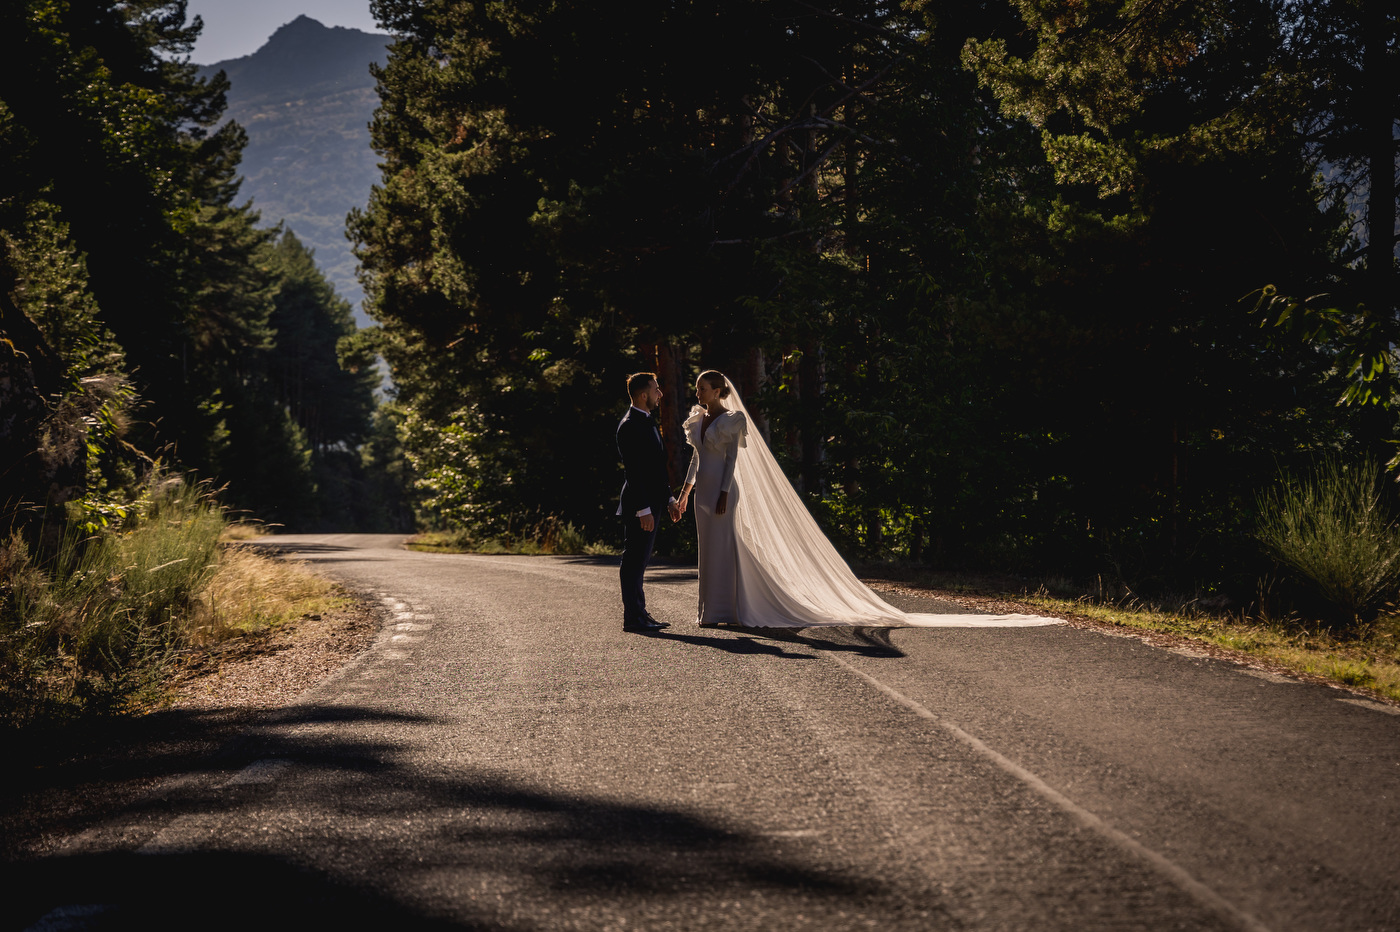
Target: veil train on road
column 790, row 575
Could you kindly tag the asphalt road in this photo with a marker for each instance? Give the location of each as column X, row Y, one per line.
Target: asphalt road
column 506, row 757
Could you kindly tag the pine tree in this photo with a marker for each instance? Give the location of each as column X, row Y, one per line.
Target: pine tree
column 1181, row 187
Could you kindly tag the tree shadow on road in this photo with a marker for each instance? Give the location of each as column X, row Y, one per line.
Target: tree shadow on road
column 60, row 776
column 863, row 641
column 345, row 832
column 274, row 547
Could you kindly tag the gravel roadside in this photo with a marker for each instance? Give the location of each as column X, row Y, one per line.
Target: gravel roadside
column 67, row 779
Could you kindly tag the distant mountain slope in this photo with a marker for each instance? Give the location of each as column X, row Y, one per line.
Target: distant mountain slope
column 306, row 98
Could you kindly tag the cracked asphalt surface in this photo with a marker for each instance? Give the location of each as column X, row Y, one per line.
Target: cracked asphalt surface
column 506, row 757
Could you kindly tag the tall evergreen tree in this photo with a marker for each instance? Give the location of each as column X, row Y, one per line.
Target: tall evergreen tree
column 101, row 129
column 1181, row 186
column 323, row 374
column 536, row 233
column 127, row 265
column 1341, row 61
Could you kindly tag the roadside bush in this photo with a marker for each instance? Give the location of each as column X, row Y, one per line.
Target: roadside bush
column 547, row 536
column 87, row 629
column 1334, row 530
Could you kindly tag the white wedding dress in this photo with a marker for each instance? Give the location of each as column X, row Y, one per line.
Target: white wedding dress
column 765, row 563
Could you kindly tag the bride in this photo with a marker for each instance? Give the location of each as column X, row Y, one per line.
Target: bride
column 764, row 563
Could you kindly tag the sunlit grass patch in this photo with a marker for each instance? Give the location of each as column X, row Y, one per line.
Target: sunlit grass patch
column 244, row 530
column 93, row 627
column 550, row 536
column 88, row 626
column 1364, row 655
column 1366, row 658
column 1333, row 529
column 250, row 592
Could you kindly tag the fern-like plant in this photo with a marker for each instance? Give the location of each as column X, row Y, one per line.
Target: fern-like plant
column 1332, row 527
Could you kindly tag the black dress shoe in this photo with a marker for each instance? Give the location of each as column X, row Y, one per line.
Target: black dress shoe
column 642, row 624
column 653, row 621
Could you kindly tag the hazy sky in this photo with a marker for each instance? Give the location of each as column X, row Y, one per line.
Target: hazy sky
column 234, row 28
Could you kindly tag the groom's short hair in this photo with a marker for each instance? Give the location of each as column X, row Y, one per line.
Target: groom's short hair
column 637, row 383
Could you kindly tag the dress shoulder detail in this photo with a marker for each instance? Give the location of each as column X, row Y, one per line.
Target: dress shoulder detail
column 691, row 426
column 733, row 425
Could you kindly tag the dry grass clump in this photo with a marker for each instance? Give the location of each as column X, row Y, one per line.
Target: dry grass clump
column 1333, row 529
column 244, row 530
column 87, row 627
column 250, row 592
column 94, row 626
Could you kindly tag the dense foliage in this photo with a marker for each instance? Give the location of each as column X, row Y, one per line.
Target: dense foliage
column 146, row 316
column 1038, row 285
column 991, row 274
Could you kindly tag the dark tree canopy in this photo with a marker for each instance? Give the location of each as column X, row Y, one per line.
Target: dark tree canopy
column 1036, row 285
column 142, row 307
column 983, row 269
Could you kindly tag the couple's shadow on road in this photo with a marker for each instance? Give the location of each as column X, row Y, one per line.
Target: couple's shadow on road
column 775, row 642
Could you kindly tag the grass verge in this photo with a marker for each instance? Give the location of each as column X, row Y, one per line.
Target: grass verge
column 549, row 537
column 1365, row 658
column 251, row 592
column 99, row 626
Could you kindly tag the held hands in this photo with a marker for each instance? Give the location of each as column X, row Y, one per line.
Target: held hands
column 678, row 506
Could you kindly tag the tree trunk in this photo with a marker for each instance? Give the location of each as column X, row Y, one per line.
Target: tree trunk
column 749, row 381
column 810, row 378
column 672, row 374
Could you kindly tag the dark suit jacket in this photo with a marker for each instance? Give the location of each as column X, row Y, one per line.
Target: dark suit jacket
column 647, row 484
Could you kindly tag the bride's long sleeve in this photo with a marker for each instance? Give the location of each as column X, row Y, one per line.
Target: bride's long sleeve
column 694, row 467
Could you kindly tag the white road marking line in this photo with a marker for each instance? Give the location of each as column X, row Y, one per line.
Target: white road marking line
column 259, row 771
column 176, row 837
column 1375, row 706
column 1178, row 875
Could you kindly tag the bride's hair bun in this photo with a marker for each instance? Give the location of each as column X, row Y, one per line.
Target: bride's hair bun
column 715, row 379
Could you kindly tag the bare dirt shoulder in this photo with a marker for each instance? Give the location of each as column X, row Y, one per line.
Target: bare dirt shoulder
column 65, row 779
column 271, row 669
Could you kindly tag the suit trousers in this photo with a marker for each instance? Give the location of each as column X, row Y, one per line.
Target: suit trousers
column 637, row 545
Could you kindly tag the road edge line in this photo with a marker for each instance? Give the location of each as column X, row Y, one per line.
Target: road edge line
column 1177, row 874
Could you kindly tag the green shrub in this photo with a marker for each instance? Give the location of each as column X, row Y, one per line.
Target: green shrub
column 1333, row 529
column 557, row 537
column 87, row 629
column 549, row 536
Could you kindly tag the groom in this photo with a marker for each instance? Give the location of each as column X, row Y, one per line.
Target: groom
column 645, row 492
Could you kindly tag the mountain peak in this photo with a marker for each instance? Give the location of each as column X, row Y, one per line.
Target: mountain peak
column 304, row 31
column 302, row 23
column 307, row 54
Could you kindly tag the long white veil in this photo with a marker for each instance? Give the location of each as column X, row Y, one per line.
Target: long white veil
column 789, row 574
